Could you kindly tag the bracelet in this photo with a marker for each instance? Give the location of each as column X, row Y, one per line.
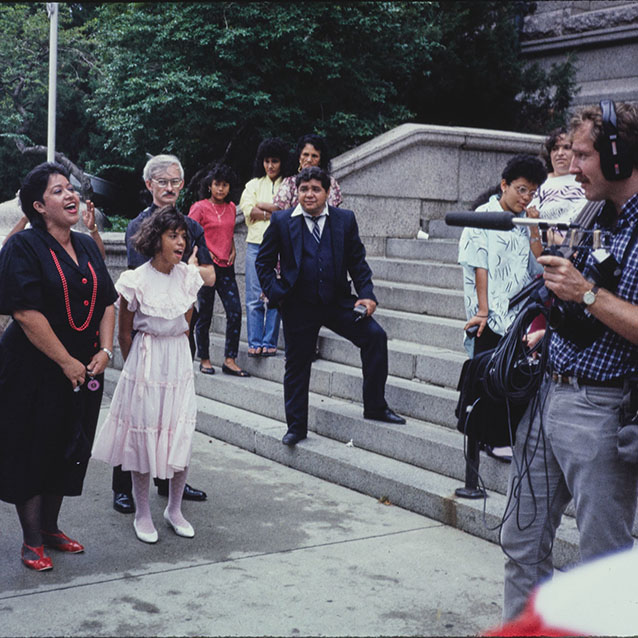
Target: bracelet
column 533, row 239
column 108, row 353
column 94, row 229
column 482, row 316
column 264, row 215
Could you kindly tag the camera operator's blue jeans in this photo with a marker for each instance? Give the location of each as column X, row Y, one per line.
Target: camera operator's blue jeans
column 572, row 454
column 226, row 288
column 262, row 325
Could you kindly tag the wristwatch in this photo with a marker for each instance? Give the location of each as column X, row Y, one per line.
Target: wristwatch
column 108, row 353
column 590, row 296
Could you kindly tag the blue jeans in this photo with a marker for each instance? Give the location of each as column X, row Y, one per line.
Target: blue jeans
column 262, row 324
column 226, row 287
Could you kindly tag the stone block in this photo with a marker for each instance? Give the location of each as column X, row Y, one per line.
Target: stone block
column 386, row 216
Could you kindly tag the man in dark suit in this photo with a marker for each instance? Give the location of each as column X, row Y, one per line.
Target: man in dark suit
column 318, row 246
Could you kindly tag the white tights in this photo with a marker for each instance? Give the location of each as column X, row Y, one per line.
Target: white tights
column 141, row 488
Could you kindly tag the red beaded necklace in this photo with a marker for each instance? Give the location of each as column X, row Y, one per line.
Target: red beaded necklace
column 85, row 325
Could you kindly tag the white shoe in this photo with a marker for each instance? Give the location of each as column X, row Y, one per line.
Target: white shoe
column 186, row 531
column 145, row 537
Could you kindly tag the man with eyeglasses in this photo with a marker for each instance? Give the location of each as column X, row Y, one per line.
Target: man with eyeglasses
column 164, row 178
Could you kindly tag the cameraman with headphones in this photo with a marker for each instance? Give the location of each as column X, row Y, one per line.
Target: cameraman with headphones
column 571, row 448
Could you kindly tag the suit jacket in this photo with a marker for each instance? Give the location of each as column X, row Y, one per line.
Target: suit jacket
column 283, row 241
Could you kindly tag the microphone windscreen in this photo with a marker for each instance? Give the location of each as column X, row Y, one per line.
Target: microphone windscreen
column 491, row 221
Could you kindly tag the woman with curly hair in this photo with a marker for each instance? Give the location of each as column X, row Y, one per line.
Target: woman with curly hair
column 311, row 150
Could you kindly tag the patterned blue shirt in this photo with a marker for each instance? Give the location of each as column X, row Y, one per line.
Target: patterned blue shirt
column 609, row 356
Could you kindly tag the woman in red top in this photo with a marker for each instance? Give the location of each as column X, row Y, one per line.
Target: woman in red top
column 216, row 214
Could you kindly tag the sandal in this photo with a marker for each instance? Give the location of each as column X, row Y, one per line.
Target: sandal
column 254, row 352
column 269, row 352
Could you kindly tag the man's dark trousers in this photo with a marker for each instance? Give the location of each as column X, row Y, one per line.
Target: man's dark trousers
column 301, row 323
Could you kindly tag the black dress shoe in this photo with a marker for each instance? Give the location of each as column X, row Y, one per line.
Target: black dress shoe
column 292, row 438
column 123, row 503
column 190, row 493
column 387, row 415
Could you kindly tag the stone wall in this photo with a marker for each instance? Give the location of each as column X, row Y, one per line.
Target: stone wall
column 603, row 35
column 399, row 181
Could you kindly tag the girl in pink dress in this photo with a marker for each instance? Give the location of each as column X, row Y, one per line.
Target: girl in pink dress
column 149, row 428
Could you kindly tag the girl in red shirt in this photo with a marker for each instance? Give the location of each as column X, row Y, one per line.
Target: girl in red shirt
column 216, row 214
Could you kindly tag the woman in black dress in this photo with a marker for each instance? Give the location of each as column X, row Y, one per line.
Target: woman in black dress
column 55, row 284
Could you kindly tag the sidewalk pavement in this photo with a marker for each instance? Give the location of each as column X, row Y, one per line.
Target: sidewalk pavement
column 276, row 553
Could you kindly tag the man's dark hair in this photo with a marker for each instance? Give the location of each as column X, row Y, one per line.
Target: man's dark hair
column 526, row 166
column 549, row 144
column 313, row 172
column 219, row 173
column 33, row 187
column 319, row 143
column 148, row 239
column 270, row 147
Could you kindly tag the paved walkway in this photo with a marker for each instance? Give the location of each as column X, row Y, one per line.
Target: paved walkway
column 276, row 553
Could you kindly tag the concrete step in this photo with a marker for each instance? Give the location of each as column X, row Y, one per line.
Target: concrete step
column 442, row 250
column 422, row 300
column 438, row 229
column 437, row 366
column 406, row 360
column 399, row 325
column 426, row 273
column 424, row 329
column 413, row 399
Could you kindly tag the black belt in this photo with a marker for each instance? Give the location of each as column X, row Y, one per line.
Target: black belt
column 609, row 383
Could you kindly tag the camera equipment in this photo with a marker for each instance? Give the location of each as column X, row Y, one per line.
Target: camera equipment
column 569, row 319
column 360, row 311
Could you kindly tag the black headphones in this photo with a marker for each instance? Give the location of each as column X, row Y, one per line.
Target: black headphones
column 615, row 160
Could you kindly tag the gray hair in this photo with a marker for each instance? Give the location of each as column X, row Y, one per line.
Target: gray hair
column 159, row 163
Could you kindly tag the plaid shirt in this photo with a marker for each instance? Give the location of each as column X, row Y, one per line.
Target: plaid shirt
column 610, row 355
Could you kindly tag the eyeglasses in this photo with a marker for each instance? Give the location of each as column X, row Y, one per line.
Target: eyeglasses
column 163, row 183
column 523, row 191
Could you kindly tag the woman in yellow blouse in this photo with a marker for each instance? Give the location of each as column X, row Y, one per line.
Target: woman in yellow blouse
column 256, row 203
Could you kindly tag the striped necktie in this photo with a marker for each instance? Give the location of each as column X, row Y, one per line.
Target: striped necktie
column 315, row 228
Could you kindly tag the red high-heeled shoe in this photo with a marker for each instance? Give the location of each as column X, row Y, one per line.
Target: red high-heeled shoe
column 40, row 564
column 61, row 542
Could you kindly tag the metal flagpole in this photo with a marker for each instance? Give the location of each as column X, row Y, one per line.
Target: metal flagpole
column 52, row 12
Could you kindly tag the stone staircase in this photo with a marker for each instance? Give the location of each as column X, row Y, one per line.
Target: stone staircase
column 418, row 465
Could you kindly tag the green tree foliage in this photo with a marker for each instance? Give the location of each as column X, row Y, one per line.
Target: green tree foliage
column 24, row 68
column 194, row 78
column 208, row 81
column 477, row 77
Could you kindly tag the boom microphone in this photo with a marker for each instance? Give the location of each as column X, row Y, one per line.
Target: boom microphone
column 491, row 221
column 504, row 221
